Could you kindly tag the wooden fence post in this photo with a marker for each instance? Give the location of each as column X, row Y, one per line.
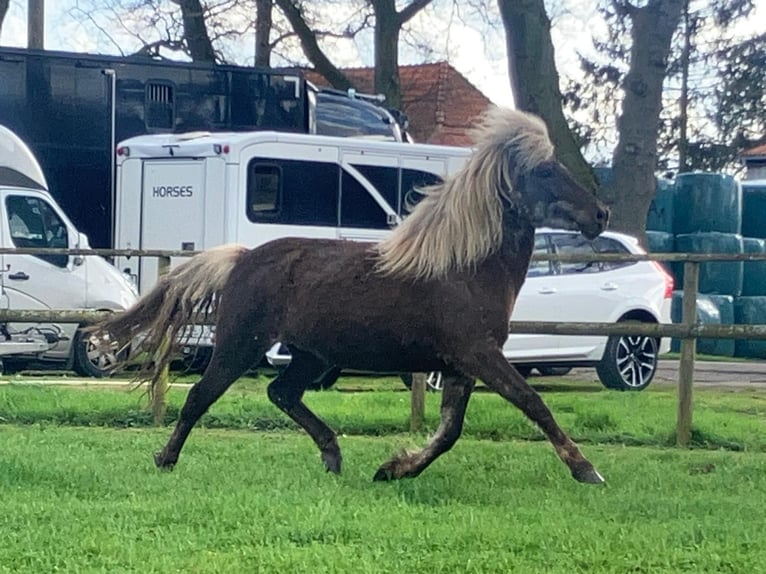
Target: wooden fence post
column 688, row 353
column 159, row 389
column 418, row 402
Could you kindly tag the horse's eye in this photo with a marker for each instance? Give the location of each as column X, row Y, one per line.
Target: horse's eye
column 544, row 170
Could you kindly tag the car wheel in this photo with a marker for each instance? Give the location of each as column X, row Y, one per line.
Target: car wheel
column 434, row 381
column 554, row 371
column 629, row 363
column 97, row 354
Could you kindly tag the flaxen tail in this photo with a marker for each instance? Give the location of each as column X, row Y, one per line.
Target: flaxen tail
column 187, row 295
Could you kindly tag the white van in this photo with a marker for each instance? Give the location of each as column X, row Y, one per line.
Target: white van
column 198, row 190
column 30, row 218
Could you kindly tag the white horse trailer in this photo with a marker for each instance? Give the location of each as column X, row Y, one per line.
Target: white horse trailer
column 198, row 190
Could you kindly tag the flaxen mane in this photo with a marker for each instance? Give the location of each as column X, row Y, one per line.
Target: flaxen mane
column 459, row 222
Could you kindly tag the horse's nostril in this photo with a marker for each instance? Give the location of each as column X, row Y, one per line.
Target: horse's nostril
column 602, row 215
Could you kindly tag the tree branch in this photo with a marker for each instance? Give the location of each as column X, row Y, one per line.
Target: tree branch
column 311, row 47
column 409, row 11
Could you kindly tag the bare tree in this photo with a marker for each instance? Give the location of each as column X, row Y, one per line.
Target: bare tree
column 388, row 25
column 535, row 79
column 294, row 13
column 195, row 31
column 4, row 4
column 652, row 26
column 634, row 161
column 263, row 25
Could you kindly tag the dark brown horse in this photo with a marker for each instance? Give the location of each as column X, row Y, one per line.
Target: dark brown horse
column 437, row 294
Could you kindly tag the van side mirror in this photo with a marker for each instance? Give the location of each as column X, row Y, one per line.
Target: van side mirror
column 81, row 243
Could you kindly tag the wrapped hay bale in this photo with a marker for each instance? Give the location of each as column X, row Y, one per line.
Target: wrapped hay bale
column 706, row 202
column 754, row 272
column 724, row 306
column 754, row 209
column 717, row 277
column 660, row 216
column 708, row 313
column 750, row 311
column 660, row 241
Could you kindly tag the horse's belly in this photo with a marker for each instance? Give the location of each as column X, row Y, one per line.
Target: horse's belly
column 364, row 351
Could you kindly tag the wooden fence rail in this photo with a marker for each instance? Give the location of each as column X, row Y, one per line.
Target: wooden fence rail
column 689, row 330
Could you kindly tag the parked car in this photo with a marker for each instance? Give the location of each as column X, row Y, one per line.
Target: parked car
column 588, row 291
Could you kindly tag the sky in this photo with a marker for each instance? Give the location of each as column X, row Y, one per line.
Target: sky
column 477, row 50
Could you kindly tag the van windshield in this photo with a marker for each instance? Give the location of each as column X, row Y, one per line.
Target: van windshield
column 32, row 222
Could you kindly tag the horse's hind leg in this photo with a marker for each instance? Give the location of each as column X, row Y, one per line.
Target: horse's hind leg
column 487, row 363
column 230, row 359
column 286, row 391
column 455, row 394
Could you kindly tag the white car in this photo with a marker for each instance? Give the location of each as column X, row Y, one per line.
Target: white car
column 603, row 292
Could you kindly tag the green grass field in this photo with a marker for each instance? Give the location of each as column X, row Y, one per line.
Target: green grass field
column 247, row 499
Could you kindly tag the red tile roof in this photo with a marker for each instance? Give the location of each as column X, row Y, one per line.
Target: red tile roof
column 442, row 105
column 759, row 151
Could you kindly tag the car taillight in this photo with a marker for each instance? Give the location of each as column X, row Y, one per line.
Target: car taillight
column 669, row 281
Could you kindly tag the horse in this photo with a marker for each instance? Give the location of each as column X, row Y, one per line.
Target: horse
column 435, row 295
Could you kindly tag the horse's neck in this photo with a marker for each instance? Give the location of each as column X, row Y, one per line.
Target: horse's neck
column 504, row 271
column 518, row 243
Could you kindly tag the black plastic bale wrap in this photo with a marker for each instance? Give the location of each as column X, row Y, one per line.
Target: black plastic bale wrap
column 720, row 347
column 711, row 310
column 717, row 277
column 707, row 202
column 660, row 241
column 754, row 272
column 750, row 311
column 660, row 216
column 754, row 209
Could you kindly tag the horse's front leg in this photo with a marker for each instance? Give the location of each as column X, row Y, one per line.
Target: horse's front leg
column 286, row 392
column 486, row 362
column 457, row 390
column 228, row 362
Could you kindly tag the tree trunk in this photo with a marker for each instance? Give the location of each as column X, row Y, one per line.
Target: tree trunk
column 635, row 158
column 3, row 11
column 535, row 80
column 263, row 23
column 195, row 31
column 387, row 28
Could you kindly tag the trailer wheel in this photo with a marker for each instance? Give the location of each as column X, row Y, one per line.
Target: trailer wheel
column 97, row 354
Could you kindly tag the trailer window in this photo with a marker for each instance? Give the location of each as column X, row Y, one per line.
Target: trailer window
column 293, row 192
column 263, row 187
column 159, row 105
column 412, row 181
column 358, row 208
column 385, row 179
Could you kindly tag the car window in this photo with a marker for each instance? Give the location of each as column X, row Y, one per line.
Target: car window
column 574, row 244
column 540, row 268
column 607, row 245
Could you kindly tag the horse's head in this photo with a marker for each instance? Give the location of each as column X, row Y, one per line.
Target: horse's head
column 552, row 198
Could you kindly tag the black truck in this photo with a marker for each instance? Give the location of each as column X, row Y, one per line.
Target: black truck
column 72, row 109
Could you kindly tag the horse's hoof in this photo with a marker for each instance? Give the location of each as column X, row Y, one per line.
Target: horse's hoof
column 384, row 475
column 589, row 476
column 332, row 462
column 162, row 463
